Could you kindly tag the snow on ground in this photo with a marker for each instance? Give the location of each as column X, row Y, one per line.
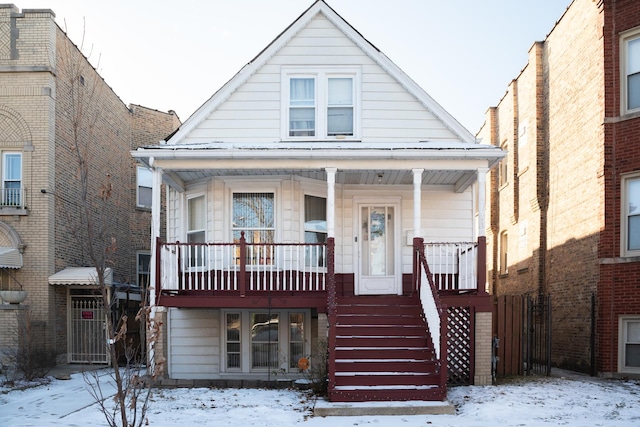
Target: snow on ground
column 547, row 401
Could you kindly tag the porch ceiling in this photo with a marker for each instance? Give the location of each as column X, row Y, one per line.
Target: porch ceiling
column 346, row 177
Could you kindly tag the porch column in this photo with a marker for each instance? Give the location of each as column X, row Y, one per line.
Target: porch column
column 482, row 239
column 417, row 202
column 155, row 229
column 482, row 184
column 331, row 201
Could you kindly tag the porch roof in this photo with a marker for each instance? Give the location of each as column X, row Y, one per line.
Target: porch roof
column 444, row 162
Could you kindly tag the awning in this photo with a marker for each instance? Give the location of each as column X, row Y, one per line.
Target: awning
column 10, row 257
column 80, row 276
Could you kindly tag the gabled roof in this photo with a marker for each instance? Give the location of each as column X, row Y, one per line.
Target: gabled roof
column 290, row 32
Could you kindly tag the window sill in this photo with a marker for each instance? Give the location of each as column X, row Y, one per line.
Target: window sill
column 503, row 275
column 624, row 116
column 143, row 209
column 621, row 259
column 13, row 211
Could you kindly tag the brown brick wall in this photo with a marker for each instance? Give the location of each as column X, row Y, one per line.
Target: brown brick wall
column 550, row 206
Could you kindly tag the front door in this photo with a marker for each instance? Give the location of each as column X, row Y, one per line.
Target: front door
column 377, row 247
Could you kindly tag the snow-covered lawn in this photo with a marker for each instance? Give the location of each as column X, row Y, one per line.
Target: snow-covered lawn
column 552, row 401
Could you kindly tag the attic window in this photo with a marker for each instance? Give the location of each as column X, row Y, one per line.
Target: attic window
column 320, row 105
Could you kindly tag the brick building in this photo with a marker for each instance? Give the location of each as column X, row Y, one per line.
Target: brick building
column 563, row 212
column 50, row 98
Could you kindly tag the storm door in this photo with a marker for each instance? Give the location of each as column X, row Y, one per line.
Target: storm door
column 377, row 249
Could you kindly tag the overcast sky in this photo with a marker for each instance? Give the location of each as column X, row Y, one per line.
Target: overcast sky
column 173, row 55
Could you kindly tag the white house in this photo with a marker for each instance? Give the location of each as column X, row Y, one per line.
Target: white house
column 301, row 200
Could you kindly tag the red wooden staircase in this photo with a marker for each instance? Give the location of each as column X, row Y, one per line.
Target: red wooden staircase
column 383, row 351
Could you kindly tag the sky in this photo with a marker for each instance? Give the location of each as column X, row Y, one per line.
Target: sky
column 573, row 401
column 174, row 55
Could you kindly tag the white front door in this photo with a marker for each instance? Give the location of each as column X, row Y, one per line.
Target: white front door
column 377, row 245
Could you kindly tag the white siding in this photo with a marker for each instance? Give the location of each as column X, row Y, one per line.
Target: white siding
column 446, row 216
column 194, row 343
column 252, row 113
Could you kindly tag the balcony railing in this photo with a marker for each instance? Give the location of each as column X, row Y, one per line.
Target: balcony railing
column 12, row 197
column 243, row 267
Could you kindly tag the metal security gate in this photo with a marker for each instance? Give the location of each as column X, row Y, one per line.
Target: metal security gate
column 88, row 330
column 537, row 335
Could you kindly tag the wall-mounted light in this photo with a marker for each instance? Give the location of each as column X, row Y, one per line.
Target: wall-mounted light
column 380, row 175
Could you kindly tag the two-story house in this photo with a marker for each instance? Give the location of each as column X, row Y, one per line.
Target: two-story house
column 563, row 214
column 320, row 200
column 50, row 98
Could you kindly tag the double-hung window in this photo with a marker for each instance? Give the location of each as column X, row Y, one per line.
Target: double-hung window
column 143, row 261
column 12, row 179
column 630, row 71
column 315, row 229
column 631, row 216
column 143, row 187
column 302, row 106
column 196, row 233
column 320, row 104
column 629, row 345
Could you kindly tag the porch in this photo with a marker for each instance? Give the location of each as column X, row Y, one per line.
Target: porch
column 381, row 347
column 280, row 275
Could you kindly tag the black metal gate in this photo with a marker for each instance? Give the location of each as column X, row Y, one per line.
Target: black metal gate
column 536, row 331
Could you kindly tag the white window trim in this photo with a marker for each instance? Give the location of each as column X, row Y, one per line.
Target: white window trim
column 321, row 75
column 4, row 176
column 622, row 322
column 250, row 185
column 186, row 215
column 185, row 224
column 245, row 340
column 309, row 189
column 625, row 38
column 138, row 187
column 624, row 236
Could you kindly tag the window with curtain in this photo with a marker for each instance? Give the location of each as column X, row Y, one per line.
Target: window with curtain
column 302, row 107
column 144, row 190
column 632, row 72
column 264, row 340
column 320, row 103
column 253, row 214
column 234, row 343
column 340, row 106
column 12, row 179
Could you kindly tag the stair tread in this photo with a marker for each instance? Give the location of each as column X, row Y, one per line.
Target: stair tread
column 385, row 387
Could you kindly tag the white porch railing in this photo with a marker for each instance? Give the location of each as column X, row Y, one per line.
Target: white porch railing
column 453, row 265
column 243, row 267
